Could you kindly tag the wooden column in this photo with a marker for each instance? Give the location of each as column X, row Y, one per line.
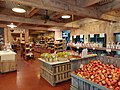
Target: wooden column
column 21, row 37
column 7, row 35
column 26, row 35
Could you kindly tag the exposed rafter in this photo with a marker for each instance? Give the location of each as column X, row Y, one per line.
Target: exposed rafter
column 56, row 15
column 115, row 4
column 28, row 20
column 59, row 6
column 86, row 3
column 31, row 12
column 35, row 28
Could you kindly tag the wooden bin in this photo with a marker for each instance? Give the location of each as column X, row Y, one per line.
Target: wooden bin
column 55, row 72
column 8, row 66
column 79, row 83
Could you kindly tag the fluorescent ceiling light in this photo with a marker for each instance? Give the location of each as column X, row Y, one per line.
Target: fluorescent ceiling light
column 66, row 16
column 12, row 25
column 19, row 9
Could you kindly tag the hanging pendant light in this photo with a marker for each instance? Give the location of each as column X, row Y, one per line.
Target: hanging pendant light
column 11, row 25
column 19, row 9
column 66, row 16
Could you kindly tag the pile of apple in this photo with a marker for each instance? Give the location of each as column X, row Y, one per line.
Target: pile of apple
column 102, row 74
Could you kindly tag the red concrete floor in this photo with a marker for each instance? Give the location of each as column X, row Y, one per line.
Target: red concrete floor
column 28, row 77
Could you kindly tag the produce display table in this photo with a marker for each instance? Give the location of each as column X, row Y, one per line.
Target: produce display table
column 79, row 83
column 7, row 61
column 55, row 72
column 96, row 48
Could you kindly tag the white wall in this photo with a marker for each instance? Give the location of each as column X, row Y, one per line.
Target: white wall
column 58, row 35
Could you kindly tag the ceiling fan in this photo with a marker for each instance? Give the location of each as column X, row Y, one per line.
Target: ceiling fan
column 46, row 17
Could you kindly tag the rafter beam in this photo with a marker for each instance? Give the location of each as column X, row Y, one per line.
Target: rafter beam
column 86, row 3
column 19, row 24
column 109, row 17
column 3, row 25
column 31, row 12
column 115, row 4
column 35, row 28
column 59, row 6
column 54, row 14
column 28, row 20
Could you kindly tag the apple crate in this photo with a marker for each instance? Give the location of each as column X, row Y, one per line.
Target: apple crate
column 55, row 72
column 79, row 83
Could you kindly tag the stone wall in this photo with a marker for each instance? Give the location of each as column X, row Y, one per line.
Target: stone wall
column 98, row 27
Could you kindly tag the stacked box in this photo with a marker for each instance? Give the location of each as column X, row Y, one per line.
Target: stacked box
column 79, row 83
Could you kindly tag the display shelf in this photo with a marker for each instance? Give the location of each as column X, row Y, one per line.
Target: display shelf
column 53, row 63
column 59, row 45
column 27, row 50
column 7, row 61
column 55, row 72
column 40, row 49
column 95, row 48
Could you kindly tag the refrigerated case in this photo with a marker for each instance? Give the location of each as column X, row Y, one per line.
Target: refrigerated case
column 117, row 39
column 98, row 39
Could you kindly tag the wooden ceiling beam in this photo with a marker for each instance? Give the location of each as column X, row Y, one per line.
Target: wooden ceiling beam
column 31, row 12
column 109, row 17
column 28, row 20
column 56, row 15
column 115, row 4
column 19, row 24
column 3, row 25
column 35, row 28
column 87, row 3
column 60, row 6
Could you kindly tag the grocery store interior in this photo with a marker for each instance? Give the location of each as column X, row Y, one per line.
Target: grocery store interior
column 59, row 44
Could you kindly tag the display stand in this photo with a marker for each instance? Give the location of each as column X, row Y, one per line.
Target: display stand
column 7, row 61
column 79, row 83
column 59, row 45
column 55, row 72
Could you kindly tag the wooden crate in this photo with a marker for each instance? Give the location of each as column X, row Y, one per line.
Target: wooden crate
column 8, row 66
column 79, row 83
column 56, row 72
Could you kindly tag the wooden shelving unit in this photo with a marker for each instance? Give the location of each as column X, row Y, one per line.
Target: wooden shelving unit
column 26, row 47
column 29, row 54
column 50, row 45
column 22, row 44
column 59, row 45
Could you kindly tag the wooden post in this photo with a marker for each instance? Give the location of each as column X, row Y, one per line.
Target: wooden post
column 26, row 35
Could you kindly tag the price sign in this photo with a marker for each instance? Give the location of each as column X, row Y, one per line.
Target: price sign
column 108, row 50
column 93, row 48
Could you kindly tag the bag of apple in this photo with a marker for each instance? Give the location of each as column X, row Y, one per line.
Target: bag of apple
column 100, row 73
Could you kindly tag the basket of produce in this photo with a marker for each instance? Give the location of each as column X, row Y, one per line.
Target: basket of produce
column 48, row 57
column 96, row 73
column 63, row 56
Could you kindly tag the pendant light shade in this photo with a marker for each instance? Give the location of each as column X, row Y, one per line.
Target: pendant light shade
column 18, row 9
column 66, row 16
column 11, row 25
